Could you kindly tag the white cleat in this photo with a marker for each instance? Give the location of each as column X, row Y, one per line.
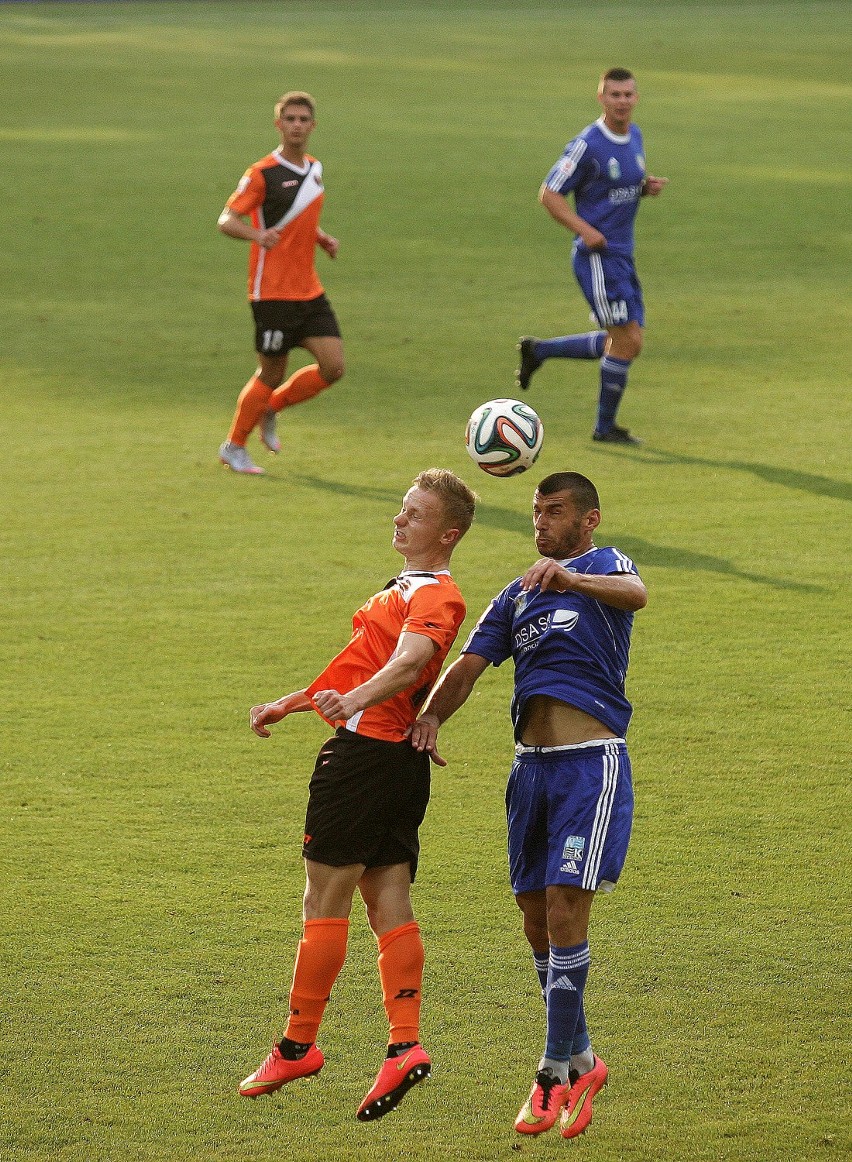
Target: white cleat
column 268, row 433
column 238, row 460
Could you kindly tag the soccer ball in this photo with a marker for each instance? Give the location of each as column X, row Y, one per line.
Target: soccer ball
column 504, row 437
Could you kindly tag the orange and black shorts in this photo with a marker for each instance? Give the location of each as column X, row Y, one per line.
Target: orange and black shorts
column 281, row 324
column 367, row 800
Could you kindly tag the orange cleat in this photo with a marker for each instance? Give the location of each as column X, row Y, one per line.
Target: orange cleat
column 396, row 1077
column 543, row 1106
column 277, row 1071
column 578, row 1108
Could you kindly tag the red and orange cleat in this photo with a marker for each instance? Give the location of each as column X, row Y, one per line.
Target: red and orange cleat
column 543, row 1106
column 578, row 1107
column 396, row 1077
column 277, row 1071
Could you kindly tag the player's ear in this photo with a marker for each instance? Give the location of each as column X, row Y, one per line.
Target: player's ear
column 592, row 519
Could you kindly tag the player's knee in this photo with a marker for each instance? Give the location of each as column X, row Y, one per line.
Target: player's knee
column 333, row 371
column 625, row 342
column 536, row 933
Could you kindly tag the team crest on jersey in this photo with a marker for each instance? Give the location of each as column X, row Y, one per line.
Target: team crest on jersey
column 521, row 602
column 613, row 169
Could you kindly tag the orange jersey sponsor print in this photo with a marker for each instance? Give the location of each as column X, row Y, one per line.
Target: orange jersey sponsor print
column 275, row 193
column 425, row 603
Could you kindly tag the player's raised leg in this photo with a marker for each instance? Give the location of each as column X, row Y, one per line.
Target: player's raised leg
column 534, row 352
column 320, row 957
column 305, row 383
column 386, row 893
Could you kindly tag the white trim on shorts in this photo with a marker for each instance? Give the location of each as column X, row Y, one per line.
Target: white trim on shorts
column 521, row 749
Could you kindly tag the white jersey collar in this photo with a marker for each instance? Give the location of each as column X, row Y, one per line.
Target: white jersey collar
column 617, row 138
column 291, row 165
column 568, row 560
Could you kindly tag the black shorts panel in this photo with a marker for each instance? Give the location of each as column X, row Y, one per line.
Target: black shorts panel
column 280, row 324
column 366, row 803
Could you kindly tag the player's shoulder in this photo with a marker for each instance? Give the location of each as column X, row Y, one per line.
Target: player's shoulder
column 440, row 586
column 607, row 559
column 580, row 141
column 269, row 161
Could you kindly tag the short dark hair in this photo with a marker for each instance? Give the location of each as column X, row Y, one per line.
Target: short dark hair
column 616, row 74
column 582, row 491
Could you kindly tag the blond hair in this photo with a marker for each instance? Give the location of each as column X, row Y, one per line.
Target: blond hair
column 458, row 500
column 295, row 98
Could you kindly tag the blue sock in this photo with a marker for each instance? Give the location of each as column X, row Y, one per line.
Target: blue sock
column 589, row 346
column 541, row 961
column 582, row 1041
column 566, row 979
column 613, row 382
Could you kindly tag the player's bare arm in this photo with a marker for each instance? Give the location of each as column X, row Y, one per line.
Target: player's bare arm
column 234, row 226
column 260, row 717
column 327, row 243
column 413, row 652
column 451, row 692
column 621, row 590
column 561, row 212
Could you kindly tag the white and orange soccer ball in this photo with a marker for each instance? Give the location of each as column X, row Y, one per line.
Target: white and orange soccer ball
column 504, row 437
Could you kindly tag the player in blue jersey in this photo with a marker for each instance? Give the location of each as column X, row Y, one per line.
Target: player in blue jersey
column 566, row 625
column 604, row 168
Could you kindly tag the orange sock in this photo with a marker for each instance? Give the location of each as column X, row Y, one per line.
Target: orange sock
column 401, row 972
column 322, row 951
column 303, row 384
column 251, row 404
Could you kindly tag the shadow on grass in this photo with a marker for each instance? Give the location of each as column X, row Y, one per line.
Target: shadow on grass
column 645, row 553
column 786, row 477
column 642, row 551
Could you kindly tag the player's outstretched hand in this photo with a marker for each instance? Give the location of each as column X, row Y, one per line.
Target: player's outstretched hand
column 260, row 717
column 654, row 186
column 424, row 736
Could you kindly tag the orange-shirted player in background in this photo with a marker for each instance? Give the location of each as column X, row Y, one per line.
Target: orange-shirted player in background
column 282, row 197
column 369, row 791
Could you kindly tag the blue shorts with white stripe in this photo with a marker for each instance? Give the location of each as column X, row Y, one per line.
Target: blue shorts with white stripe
column 611, row 286
column 569, row 811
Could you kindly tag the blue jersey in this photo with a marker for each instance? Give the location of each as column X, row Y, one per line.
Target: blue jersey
column 605, row 170
column 565, row 645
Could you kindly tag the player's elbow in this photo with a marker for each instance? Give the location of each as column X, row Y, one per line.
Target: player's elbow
column 639, row 597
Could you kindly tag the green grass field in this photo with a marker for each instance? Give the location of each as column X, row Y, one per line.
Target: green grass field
column 149, row 843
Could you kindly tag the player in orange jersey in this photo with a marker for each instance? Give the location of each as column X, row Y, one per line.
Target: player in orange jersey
column 369, row 791
column 282, row 196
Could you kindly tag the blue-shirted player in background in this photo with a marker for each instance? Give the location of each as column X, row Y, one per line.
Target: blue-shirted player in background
column 566, row 625
column 604, row 167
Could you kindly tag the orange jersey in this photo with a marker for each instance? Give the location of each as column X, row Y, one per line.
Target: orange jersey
column 275, row 193
column 424, row 603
